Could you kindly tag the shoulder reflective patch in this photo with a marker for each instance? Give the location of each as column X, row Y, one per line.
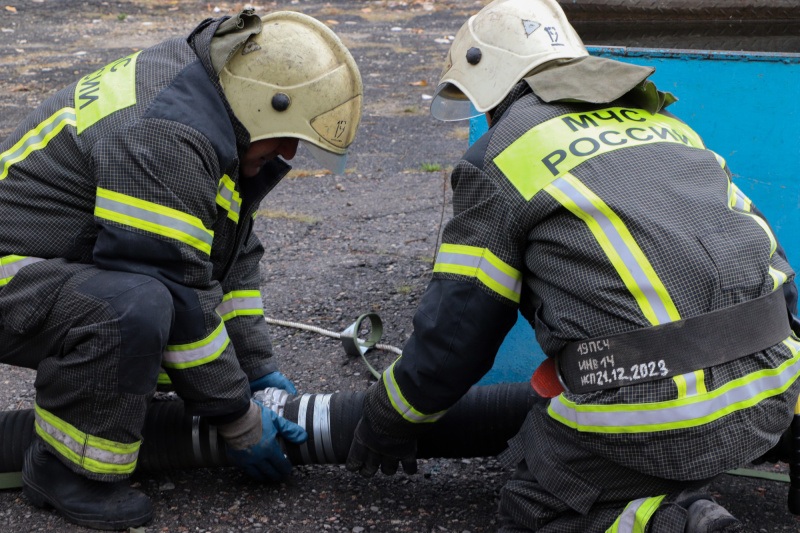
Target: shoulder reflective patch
column 36, row 139
column 197, row 353
column 228, row 198
column 555, row 147
column 144, row 215
column 91, row 453
column 691, row 411
column 105, row 91
column 240, row 303
column 620, row 247
column 400, row 403
column 636, row 515
column 11, row 264
column 482, row 264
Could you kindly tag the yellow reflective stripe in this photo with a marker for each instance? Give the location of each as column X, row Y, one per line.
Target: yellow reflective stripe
column 680, row 382
column 400, row 403
column 560, row 144
column 229, row 198
column 36, row 139
column 148, row 216
column 720, row 159
column 197, row 353
column 690, row 384
column 105, row 91
column 92, row 453
column 619, row 246
column 636, row 515
column 482, row 264
column 240, row 303
column 11, row 264
column 700, row 381
column 691, row 411
column 163, row 379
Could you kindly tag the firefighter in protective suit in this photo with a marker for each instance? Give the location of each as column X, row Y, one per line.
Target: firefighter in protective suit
column 656, row 288
column 128, row 254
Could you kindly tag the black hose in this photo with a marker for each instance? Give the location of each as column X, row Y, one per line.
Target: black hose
column 477, row 426
column 794, row 466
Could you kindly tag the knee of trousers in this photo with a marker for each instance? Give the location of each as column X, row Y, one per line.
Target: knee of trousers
column 145, row 313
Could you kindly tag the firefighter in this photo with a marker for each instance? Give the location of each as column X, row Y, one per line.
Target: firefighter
column 656, row 288
column 128, row 254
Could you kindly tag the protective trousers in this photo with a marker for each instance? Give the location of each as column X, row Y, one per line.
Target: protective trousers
column 560, row 486
column 97, row 348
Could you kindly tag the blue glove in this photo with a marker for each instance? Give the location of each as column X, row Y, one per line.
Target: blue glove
column 274, row 379
column 265, row 459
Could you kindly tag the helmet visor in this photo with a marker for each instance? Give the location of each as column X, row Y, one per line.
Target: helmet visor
column 333, row 162
column 450, row 104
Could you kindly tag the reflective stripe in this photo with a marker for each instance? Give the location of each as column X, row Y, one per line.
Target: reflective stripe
column 163, row 378
column 619, row 246
column 690, row 384
column 555, row 147
column 36, row 139
column 401, row 405
column 240, row 303
column 482, row 264
column 636, row 515
column 11, row 264
column 197, row 353
column 92, row 453
column 229, row 198
column 739, row 201
column 691, row 411
column 154, row 218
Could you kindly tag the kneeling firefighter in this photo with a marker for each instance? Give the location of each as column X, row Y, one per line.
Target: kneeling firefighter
column 128, row 254
column 656, row 288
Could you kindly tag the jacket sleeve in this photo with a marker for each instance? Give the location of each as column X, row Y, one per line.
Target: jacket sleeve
column 464, row 315
column 155, row 209
column 242, row 309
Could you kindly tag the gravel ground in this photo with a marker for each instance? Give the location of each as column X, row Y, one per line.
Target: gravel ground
column 336, row 247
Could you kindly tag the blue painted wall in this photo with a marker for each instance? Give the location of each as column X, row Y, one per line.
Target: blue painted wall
column 746, row 107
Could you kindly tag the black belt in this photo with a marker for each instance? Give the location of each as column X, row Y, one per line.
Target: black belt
column 674, row 348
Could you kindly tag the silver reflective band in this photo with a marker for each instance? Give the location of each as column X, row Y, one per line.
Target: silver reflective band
column 152, row 217
column 627, row 520
column 10, row 266
column 84, row 449
column 239, row 304
column 480, row 263
column 35, row 142
column 450, row 104
column 620, row 246
column 176, row 355
column 230, row 196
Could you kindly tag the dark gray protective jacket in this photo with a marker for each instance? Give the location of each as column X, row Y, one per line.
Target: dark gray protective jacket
column 595, row 220
column 135, row 168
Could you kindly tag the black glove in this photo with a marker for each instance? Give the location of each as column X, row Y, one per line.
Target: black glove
column 370, row 450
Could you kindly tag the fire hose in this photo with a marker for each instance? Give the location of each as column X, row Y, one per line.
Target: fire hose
column 478, row 425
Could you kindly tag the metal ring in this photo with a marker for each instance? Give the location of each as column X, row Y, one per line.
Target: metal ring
column 316, row 420
column 198, row 454
column 301, row 421
column 325, row 426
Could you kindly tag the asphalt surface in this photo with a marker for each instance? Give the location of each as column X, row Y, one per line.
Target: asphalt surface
column 336, row 247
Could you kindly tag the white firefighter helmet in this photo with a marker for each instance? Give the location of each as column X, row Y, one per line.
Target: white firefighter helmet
column 495, row 49
column 296, row 79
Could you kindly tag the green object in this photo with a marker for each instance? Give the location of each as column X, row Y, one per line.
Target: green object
column 11, row 480
column 747, row 472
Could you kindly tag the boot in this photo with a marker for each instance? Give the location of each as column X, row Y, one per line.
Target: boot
column 80, row 500
column 706, row 516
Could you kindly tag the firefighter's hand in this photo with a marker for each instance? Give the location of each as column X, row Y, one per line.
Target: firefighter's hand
column 370, row 450
column 252, row 442
column 273, row 379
